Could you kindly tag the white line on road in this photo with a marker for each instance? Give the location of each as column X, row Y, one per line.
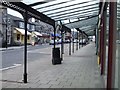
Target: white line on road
column 14, row 65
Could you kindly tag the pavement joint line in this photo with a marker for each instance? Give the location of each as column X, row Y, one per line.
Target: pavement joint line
column 14, row 65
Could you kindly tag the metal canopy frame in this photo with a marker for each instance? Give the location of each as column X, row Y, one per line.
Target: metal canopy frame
column 75, row 12
column 81, row 31
column 37, row 3
column 76, row 17
column 70, row 11
column 21, row 8
column 66, row 29
column 84, row 21
column 64, row 10
column 78, row 14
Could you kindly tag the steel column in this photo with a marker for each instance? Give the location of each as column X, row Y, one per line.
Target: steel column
column 82, row 38
column 25, row 47
column 70, row 45
column 61, row 44
column 54, row 35
column 73, row 42
column 112, row 45
column 79, row 39
column 101, row 43
column 77, row 42
column 101, row 38
column 103, row 31
column 97, row 40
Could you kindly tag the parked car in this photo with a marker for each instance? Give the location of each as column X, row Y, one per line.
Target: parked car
column 59, row 41
column 84, row 42
column 75, row 41
column 52, row 42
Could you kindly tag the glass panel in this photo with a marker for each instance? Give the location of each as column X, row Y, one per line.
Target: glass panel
column 89, row 27
column 51, row 3
column 117, row 56
column 74, row 11
column 21, row 24
column 77, row 14
column 83, row 23
column 117, row 79
column 73, row 7
column 68, row 4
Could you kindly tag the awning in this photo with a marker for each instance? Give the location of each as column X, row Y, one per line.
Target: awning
column 37, row 33
column 22, row 31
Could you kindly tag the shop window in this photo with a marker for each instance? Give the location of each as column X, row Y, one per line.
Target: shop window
column 21, row 24
column 22, row 37
column 28, row 37
column 18, row 37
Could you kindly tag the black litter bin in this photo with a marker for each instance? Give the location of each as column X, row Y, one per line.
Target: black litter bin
column 56, row 56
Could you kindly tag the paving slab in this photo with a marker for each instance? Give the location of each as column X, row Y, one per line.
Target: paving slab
column 80, row 70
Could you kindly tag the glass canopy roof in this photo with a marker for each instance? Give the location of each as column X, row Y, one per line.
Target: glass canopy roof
column 60, row 9
column 85, row 12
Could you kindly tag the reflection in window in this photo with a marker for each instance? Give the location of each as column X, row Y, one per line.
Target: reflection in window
column 32, row 27
column 28, row 26
column 21, row 24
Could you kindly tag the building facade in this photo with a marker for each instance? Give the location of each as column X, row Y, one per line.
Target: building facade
column 9, row 23
column 5, row 26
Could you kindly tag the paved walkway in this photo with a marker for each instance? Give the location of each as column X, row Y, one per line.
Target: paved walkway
column 79, row 70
